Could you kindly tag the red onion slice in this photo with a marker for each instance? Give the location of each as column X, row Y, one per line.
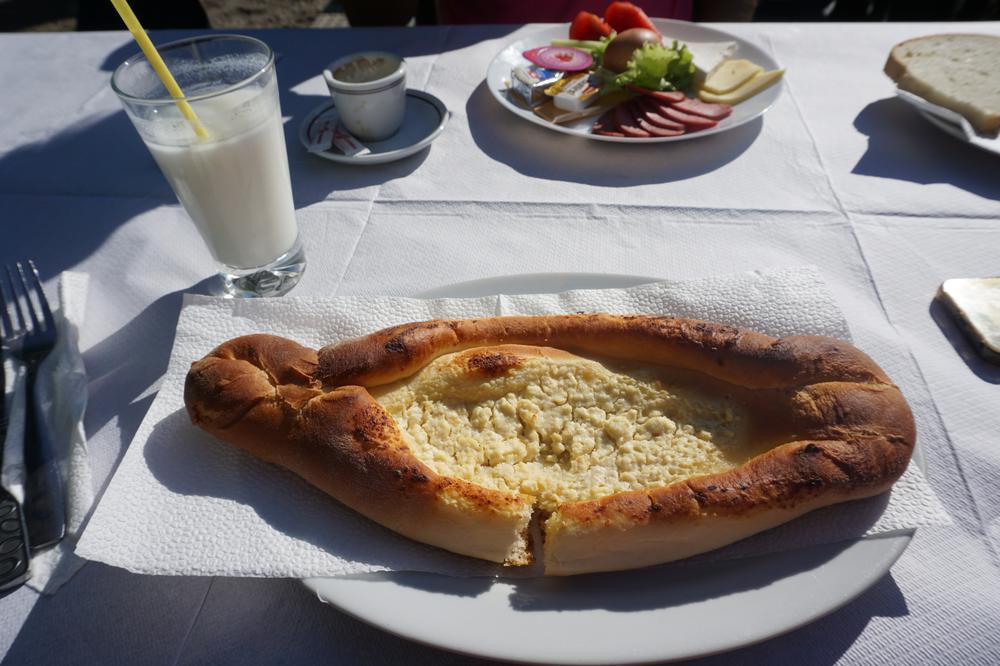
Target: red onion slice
column 563, row 58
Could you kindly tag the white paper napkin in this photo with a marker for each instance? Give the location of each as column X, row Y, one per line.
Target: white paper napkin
column 62, row 386
column 184, row 503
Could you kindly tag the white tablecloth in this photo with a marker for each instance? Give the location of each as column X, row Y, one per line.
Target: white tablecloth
column 838, row 174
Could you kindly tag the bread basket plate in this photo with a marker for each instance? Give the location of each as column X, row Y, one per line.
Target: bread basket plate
column 950, row 122
column 657, row 614
column 498, row 76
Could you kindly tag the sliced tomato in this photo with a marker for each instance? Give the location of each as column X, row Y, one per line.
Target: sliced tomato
column 587, row 26
column 624, row 15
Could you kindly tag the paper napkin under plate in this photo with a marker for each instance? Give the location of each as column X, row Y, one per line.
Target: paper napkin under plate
column 184, row 503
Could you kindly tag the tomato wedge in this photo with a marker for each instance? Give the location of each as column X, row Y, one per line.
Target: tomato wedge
column 624, row 15
column 587, row 26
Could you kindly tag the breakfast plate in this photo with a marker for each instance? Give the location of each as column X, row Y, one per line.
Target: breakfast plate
column 498, row 77
column 426, row 117
column 661, row 613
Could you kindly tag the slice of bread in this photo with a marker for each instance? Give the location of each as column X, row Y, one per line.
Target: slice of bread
column 958, row 72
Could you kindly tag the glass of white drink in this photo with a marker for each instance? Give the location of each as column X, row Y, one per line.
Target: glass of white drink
column 234, row 182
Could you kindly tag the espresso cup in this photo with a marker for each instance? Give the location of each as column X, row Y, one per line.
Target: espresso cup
column 369, row 89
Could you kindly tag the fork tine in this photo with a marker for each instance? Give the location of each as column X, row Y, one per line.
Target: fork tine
column 8, row 327
column 35, row 324
column 50, row 324
column 20, row 320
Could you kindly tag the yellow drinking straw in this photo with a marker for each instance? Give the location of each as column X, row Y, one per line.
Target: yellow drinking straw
column 160, row 67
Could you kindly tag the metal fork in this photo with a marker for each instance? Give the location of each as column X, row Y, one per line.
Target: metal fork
column 15, row 559
column 31, row 334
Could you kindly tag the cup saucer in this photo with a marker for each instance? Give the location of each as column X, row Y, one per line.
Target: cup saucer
column 425, row 119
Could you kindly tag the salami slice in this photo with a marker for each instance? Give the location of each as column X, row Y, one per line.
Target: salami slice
column 671, row 97
column 651, row 114
column 659, row 131
column 606, row 125
column 696, row 107
column 627, row 123
column 691, row 122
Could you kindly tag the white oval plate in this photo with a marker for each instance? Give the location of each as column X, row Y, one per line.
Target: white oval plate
column 425, row 119
column 648, row 615
column 499, row 73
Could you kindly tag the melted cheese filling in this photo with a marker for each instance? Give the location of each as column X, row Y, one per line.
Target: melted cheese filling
column 565, row 430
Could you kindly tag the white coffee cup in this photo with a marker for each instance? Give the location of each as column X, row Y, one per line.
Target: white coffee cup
column 369, row 89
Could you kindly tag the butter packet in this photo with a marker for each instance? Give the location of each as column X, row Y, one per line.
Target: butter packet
column 530, row 81
column 575, row 93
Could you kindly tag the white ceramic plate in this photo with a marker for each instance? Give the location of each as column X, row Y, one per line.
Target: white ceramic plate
column 425, row 119
column 499, row 73
column 950, row 122
column 648, row 615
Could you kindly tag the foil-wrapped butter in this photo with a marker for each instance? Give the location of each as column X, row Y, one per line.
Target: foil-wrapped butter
column 530, row 81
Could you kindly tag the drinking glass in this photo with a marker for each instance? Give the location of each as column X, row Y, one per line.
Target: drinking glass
column 234, row 183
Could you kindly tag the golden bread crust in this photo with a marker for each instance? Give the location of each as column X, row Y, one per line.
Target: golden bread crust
column 837, row 427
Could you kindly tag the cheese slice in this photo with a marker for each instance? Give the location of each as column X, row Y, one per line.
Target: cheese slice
column 707, row 55
column 747, row 90
column 729, row 75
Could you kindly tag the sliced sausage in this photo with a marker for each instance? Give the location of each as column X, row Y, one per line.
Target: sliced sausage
column 627, row 123
column 606, row 123
column 691, row 123
column 662, row 95
column 635, row 107
column 656, row 106
column 671, row 97
column 696, row 107
column 659, row 131
column 651, row 114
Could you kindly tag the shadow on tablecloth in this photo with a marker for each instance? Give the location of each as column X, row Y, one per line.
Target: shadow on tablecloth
column 124, row 366
column 97, row 157
column 541, row 153
column 904, row 146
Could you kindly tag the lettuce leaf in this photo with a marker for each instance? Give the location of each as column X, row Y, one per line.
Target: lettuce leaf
column 659, row 67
